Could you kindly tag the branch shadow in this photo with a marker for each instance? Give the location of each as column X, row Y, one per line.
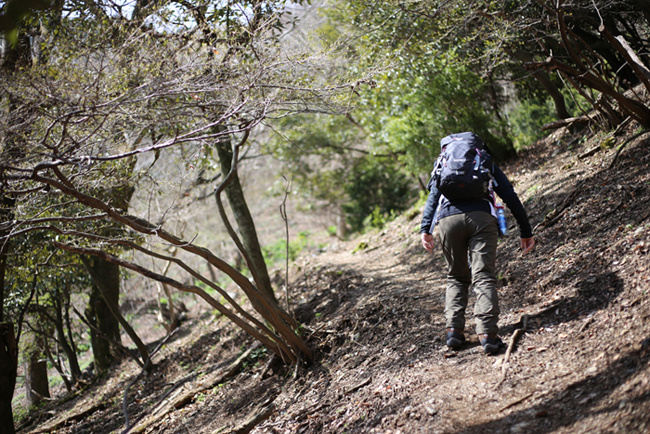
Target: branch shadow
column 559, row 410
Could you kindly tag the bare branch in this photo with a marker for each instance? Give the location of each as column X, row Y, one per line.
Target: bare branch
column 178, row 285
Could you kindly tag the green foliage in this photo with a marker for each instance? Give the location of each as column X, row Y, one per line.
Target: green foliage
column 20, row 412
column 425, row 99
column 376, row 188
column 13, row 12
column 419, row 93
column 529, row 115
column 423, row 195
column 277, row 252
column 377, row 219
column 255, row 357
column 317, row 149
column 527, row 118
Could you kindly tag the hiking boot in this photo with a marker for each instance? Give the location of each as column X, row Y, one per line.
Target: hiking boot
column 491, row 343
column 455, row 338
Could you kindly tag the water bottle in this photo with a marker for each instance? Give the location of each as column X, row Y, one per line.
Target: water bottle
column 501, row 218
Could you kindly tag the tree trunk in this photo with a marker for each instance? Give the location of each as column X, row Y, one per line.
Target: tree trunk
column 643, row 7
column 106, row 278
column 494, row 98
column 103, row 306
column 36, row 382
column 545, row 81
column 99, row 313
column 4, row 248
column 244, row 221
column 8, row 345
column 12, row 58
column 8, row 370
column 341, row 224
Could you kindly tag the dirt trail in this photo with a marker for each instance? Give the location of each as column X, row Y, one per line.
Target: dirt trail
column 580, row 366
column 376, row 318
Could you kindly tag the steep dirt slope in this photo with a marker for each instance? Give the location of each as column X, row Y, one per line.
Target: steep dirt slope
column 580, row 366
column 376, row 318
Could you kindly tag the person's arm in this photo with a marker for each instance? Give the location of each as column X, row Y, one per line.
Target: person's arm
column 430, row 208
column 428, row 216
column 506, row 192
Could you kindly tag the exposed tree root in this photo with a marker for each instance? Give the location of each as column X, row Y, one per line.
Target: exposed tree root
column 259, row 415
column 182, row 399
column 76, row 416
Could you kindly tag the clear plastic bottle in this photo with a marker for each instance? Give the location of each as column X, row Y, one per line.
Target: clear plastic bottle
column 501, row 218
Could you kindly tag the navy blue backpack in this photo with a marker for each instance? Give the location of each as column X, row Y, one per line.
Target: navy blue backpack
column 463, row 171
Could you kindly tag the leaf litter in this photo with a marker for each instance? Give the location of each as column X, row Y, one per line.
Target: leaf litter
column 375, row 317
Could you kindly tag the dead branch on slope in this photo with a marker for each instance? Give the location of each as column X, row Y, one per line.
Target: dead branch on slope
column 182, row 399
column 511, row 346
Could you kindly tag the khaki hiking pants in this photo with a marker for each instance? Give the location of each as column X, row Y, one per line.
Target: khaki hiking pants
column 476, row 232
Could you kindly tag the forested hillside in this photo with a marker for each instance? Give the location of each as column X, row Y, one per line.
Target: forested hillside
column 209, row 214
column 372, row 310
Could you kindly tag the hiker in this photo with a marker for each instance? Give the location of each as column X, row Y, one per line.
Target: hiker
column 467, row 222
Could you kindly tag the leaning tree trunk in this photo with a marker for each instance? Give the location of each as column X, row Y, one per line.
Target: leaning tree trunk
column 8, row 370
column 283, row 340
column 545, row 81
column 244, row 221
column 584, row 71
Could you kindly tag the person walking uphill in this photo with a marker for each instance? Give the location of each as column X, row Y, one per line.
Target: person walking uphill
column 462, row 204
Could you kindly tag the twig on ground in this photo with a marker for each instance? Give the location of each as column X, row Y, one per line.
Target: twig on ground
column 584, row 326
column 515, row 337
column 295, row 372
column 590, row 152
column 566, row 123
column 511, row 346
column 381, row 320
column 299, row 415
column 358, row 386
column 268, row 365
column 319, row 328
column 518, row 401
column 161, row 399
column 555, row 215
column 599, row 147
column 547, row 222
column 77, row 416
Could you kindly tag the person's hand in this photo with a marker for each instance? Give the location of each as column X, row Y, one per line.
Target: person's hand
column 527, row 244
column 427, row 242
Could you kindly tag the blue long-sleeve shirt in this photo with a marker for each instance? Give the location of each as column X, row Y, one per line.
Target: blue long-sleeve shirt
column 445, row 208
